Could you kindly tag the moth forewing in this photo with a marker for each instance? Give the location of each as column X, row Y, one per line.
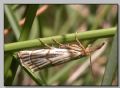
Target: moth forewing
column 38, row 59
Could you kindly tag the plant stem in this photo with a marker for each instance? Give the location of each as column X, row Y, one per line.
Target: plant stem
column 62, row 39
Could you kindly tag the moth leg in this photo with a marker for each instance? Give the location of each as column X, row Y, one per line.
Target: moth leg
column 88, row 50
column 45, row 44
column 57, row 42
column 60, row 45
column 80, row 44
column 91, row 66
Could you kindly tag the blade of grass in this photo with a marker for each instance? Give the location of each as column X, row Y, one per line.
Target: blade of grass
column 112, row 64
column 57, row 19
column 35, row 77
column 12, row 20
column 16, row 29
column 10, row 78
column 34, row 33
column 25, row 35
column 109, row 32
column 30, row 14
column 7, row 63
column 40, row 26
column 26, row 29
column 43, row 73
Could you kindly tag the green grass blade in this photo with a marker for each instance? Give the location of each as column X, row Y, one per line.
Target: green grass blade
column 16, row 29
column 43, row 73
column 7, row 63
column 34, row 33
column 58, row 16
column 25, row 31
column 34, row 76
column 12, row 20
column 111, row 64
column 30, row 15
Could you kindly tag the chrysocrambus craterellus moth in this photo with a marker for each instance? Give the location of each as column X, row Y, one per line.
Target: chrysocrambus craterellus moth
column 38, row 59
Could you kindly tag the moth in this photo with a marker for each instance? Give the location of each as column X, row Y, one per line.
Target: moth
column 42, row 58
